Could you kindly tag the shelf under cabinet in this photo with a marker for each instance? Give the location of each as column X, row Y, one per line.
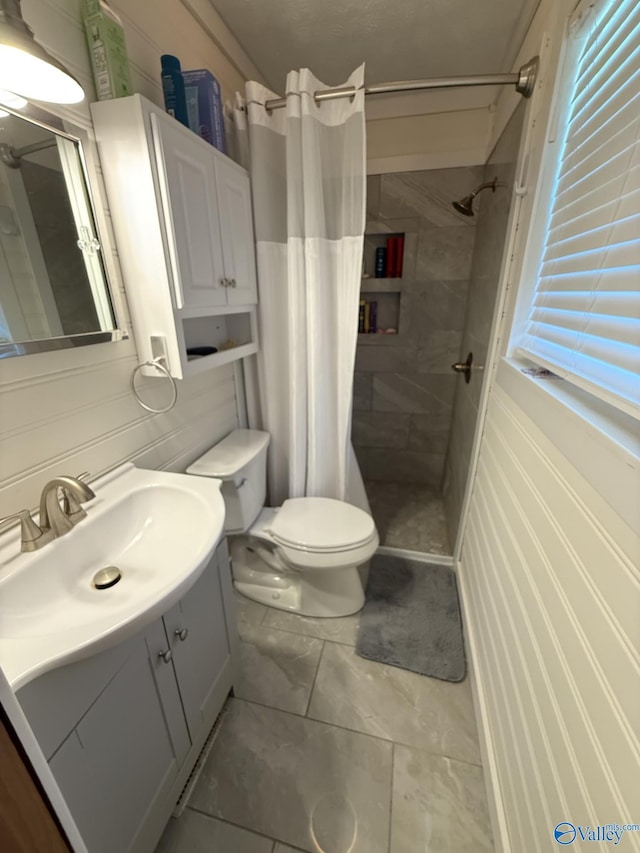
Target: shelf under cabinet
column 218, row 359
column 215, row 330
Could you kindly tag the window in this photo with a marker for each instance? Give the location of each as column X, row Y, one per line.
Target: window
column 584, row 320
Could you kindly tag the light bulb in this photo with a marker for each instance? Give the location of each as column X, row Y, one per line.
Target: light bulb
column 35, row 78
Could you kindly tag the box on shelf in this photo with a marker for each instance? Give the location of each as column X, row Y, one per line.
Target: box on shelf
column 107, row 50
column 204, row 106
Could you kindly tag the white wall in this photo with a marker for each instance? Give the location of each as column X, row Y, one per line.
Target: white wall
column 549, row 570
column 70, row 411
column 436, row 129
column 550, row 578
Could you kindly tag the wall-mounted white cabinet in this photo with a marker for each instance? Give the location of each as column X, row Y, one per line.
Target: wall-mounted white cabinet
column 184, row 231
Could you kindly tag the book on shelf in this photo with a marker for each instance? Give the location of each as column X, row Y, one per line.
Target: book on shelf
column 398, row 256
column 373, row 317
column 391, row 258
column 394, row 253
column 367, row 317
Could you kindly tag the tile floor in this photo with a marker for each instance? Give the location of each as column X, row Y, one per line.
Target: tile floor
column 409, row 516
column 324, row 752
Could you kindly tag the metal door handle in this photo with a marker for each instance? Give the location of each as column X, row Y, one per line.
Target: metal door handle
column 182, row 633
column 464, row 367
column 166, row 656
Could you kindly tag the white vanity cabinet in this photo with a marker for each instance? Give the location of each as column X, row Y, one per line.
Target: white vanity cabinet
column 183, row 224
column 122, row 730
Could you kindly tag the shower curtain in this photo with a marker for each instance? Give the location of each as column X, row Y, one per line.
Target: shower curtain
column 308, row 175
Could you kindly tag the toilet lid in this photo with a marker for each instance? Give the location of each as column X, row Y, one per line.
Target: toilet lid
column 321, row 524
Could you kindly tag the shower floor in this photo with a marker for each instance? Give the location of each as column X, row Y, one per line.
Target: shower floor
column 409, row 516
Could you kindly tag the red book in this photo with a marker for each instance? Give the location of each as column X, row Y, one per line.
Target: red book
column 397, row 257
column 391, row 257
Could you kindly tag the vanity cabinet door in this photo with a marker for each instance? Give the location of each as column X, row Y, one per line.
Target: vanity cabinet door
column 126, row 751
column 197, row 633
column 186, row 171
column 236, row 221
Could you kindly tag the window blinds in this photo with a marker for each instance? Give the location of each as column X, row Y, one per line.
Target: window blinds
column 584, row 323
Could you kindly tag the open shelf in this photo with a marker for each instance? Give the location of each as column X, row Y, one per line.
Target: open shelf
column 233, row 334
column 374, row 241
column 387, row 310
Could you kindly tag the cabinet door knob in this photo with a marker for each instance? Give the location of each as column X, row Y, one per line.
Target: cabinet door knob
column 224, row 282
column 182, row 634
column 233, row 282
column 166, row 656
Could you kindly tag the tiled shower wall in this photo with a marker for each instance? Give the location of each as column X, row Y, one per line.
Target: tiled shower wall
column 404, row 387
column 491, row 234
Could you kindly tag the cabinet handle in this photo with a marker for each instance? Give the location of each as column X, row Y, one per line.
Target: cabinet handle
column 233, row 282
column 182, row 634
column 166, row 656
column 224, row 282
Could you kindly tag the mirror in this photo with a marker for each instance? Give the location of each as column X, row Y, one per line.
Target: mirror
column 53, row 286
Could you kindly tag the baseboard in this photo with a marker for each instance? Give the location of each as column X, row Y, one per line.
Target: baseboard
column 438, row 559
column 489, row 767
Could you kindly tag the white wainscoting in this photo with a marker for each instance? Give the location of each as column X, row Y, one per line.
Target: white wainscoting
column 71, row 417
column 70, row 411
column 551, row 589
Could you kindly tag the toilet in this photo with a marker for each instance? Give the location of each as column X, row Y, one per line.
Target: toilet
column 308, row 556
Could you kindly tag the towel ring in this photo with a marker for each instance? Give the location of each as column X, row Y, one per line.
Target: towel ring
column 159, row 364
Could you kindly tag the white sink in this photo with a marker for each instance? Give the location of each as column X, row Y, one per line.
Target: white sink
column 159, row 529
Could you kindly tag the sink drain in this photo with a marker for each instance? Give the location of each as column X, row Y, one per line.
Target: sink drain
column 107, row 577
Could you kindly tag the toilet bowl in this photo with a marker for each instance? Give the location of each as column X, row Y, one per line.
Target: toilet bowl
column 307, row 556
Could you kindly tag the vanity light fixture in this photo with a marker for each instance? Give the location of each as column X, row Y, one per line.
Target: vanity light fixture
column 25, row 66
column 11, row 100
column 8, row 99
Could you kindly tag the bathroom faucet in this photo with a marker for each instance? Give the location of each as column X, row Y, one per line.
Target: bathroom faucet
column 55, row 520
column 61, row 520
column 32, row 537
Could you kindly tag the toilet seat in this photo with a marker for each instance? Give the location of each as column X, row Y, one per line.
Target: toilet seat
column 321, row 526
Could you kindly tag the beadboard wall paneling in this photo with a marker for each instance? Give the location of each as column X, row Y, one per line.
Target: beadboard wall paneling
column 551, row 585
column 84, row 418
column 72, row 410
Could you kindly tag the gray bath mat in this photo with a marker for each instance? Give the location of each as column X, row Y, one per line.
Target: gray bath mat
column 411, row 618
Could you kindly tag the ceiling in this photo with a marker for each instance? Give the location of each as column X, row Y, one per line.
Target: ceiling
column 406, row 39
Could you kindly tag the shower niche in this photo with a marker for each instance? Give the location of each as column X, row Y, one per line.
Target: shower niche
column 383, row 268
column 392, row 246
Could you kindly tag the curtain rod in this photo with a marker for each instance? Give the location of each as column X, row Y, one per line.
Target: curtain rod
column 524, row 80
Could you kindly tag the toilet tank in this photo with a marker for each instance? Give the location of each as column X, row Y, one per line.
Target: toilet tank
column 240, row 461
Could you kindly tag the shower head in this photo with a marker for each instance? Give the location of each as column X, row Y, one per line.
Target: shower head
column 465, row 205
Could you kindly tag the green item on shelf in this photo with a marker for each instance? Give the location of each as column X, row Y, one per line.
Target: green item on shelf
column 107, row 50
